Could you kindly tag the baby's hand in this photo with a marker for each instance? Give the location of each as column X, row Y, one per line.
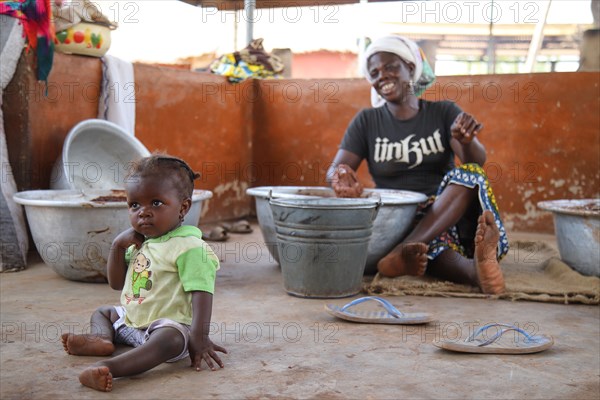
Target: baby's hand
column 129, row 237
column 345, row 182
column 465, row 128
column 205, row 350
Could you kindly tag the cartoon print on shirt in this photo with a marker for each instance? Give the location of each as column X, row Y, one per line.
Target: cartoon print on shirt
column 140, row 277
column 401, row 151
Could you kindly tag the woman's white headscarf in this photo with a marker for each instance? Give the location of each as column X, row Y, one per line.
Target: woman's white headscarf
column 407, row 50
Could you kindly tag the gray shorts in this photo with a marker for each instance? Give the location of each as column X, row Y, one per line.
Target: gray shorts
column 136, row 337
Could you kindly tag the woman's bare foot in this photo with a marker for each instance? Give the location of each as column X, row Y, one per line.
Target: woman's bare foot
column 405, row 259
column 489, row 273
column 87, row 345
column 98, row 378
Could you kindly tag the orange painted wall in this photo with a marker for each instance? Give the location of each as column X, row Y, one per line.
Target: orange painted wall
column 542, row 134
column 299, row 124
column 324, row 64
column 207, row 122
column 199, row 117
column 36, row 123
column 542, row 131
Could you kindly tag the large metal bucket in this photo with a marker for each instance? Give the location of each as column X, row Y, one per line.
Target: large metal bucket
column 322, row 244
column 265, row 215
column 397, row 211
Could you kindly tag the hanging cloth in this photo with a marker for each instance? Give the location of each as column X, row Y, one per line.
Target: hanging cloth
column 36, row 18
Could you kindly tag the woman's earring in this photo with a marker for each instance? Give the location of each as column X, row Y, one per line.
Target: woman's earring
column 411, row 85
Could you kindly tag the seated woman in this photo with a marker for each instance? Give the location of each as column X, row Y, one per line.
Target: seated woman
column 410, row 144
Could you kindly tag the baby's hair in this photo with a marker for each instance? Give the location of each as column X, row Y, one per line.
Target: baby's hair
column 175, row 169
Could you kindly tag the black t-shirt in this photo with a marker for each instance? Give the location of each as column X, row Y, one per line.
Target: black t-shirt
column 412, row 154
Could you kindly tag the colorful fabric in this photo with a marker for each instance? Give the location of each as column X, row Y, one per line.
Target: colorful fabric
column 251, row 62
column 410, row 52
column 36, row 17
column 162, row 275
column 460, row 237
column 239, row 71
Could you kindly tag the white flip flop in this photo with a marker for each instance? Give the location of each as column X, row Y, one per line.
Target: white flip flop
column 478, row 342
column 391, row 315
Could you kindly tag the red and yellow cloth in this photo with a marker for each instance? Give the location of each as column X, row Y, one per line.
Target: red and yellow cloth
column 36, row 18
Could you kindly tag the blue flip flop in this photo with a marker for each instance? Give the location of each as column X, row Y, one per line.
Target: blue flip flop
column 479, row 342
column 390, row 314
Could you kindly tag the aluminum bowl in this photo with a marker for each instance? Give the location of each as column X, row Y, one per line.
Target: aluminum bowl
column 96, row 154
column 577, row 230
column 73, row 230
column 393, row 220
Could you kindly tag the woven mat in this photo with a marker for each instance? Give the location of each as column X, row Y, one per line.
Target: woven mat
column 532, row 271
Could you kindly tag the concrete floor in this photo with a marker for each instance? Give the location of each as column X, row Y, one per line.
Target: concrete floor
column 286, row 347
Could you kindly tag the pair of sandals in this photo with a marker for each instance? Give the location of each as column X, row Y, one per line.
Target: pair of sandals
column 480, row 341
column 221, row 232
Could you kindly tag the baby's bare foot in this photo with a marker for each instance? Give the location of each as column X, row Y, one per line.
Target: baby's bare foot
column 98, row 378
column 405, row 259
column 87, row 345
column 489, row 273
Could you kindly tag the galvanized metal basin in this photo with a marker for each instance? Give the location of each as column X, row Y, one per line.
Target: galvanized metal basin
column 96, row 154
column 322, row 244
column 73, row 230
column 577, row 230
column 393, row 220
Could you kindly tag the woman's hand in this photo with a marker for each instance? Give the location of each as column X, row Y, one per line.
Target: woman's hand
column 345, row 182
column 465, row 128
